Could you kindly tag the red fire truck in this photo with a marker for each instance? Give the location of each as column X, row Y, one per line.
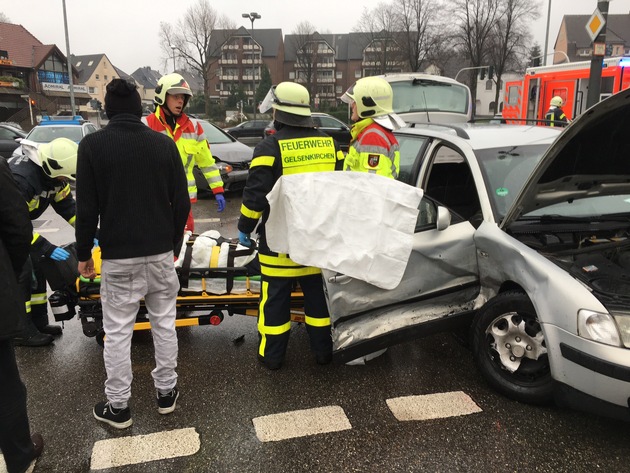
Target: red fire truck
column 528, row 99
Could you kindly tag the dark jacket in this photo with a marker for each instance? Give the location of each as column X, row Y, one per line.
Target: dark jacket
column 132, row 178
column 15, row 244
column 40, row 192
column 556, row 117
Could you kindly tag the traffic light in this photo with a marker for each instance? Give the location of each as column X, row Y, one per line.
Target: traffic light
column 482, row 73
column 33, row 102
column 490, row 72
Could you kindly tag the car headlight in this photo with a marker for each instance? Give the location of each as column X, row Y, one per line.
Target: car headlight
column 623, row 322
column 598, row 327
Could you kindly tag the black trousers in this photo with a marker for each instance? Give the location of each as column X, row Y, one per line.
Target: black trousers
column 39, row 301
column 15, row 435
column 274, row 319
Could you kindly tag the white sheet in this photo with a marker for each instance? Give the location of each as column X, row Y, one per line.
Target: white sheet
column 357, row 224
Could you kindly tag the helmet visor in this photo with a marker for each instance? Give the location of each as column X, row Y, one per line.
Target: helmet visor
column 268, row 101
column 348, row 96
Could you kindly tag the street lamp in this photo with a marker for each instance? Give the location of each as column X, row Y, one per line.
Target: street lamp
column 173, row 48
column 547, row 34
column 252, row 17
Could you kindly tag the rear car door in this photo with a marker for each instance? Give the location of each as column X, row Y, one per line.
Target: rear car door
column 439, row 286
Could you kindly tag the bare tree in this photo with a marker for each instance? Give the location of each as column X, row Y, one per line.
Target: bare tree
column 474, row 20
column 379, row 28
column 4, row 18
column 510, row 38
column 304, row 43
column 416, row 22
column 189, row 39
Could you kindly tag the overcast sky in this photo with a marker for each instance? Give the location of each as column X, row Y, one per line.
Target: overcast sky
column 127, row 30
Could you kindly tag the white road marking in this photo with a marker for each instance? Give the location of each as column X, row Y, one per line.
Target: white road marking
column 301, row 423
column 132, row 450
column 432, row 406
column 3, row 466
column 207, row 220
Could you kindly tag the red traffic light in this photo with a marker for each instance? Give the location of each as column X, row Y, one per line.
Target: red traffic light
column 33, row 102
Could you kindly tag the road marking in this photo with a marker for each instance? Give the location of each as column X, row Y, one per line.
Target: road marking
column 207, row 220
column 432, row 406
column 301, row 423
column 132, row 450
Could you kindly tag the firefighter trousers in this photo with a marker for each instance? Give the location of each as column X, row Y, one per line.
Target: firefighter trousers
column 274, row 318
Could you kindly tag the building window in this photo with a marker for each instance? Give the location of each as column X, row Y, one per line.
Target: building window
column 292, row 75
column 338, row 89
column 78, row 64
column 105, row 77
column 339, row 75
column 97, row 77
column 92, row 90
column 217, row 87
column 357, row 74
column 90, row 63
column 489, row 84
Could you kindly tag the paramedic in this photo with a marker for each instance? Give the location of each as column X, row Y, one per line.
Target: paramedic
column 42, row 177
column 171, row 97
column 17, row 445
column 555, row 116
column 373, row 146
column 132, row 179
column 296, row 147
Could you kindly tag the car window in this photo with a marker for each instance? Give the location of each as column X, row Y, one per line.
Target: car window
column 450, row 182
column 45, row 134
column 90, row 129
column 7, row 134
column 329, row 122
column 427, row 217
column 213, row 134
column 410, row 148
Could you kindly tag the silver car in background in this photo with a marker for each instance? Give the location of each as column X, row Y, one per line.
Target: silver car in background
column 523, row 239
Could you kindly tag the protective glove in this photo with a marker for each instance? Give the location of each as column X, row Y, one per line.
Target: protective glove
column 59, row 254
column 220, row 202
column 244, row 239
column 95, row 242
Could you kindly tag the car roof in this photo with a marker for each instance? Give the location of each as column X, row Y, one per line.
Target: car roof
column 485, row 135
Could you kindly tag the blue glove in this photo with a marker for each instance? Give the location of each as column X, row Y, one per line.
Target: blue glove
column 95, row 242
column 221, row 202
column 244, row 239
column 59, row 254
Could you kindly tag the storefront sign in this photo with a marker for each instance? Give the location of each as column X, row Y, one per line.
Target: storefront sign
column 64, row 87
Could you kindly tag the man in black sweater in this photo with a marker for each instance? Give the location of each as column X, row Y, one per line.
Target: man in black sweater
column 131, row 178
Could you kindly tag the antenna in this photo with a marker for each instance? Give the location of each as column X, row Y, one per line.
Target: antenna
column 426, row 107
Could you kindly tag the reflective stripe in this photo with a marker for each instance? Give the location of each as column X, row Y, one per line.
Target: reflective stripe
column 276, row 330
column 261, row 317
column 35, row 237
column 33, row 204
column 38, row 299
column 288, row 272
column 315, row 322
column 263, row 161
column 63, row 193
column 72, row 220
column 28, row 307
column 250, row 213
column 214, row 257
column 280, row 260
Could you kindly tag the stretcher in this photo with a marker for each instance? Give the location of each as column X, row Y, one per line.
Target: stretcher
column 197, row 304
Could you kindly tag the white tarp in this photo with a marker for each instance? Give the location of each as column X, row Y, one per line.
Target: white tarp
column 355, row 223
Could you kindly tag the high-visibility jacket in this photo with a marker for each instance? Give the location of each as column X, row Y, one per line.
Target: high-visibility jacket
column 373, row 149
column 556, row 117
column 40, row 191
column 291, row 150
column 193, row 148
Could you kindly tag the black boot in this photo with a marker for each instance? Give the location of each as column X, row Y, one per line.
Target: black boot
column 31, row 337
column 41, row 322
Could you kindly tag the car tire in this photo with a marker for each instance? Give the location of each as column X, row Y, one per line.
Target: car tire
column 510, row 350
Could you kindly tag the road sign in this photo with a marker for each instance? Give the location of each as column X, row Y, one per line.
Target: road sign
column 595, row 24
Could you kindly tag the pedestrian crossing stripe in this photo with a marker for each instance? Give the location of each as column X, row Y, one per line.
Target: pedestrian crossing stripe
column 131, row 450
column 432, row 406
column 302, row 423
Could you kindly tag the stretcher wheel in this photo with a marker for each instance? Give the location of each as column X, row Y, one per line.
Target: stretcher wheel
column 216, row 317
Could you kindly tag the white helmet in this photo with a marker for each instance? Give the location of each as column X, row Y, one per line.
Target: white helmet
column 59, row 158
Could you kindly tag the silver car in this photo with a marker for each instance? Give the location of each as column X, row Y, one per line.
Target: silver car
column 522, row 239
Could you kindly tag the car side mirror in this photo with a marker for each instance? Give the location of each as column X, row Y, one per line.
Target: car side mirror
column 19, row 140
column 443, row 218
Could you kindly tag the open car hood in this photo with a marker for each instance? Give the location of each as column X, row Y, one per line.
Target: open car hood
column 590, row 158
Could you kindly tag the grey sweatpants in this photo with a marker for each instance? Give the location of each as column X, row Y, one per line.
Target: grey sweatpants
column 124, row 282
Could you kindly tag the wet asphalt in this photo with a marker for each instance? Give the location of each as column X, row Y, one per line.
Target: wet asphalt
column 223, row 388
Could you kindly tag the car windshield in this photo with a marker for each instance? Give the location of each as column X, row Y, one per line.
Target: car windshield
column 213, row 134
column 505, row 171
column 45, row 134
column 421, row 95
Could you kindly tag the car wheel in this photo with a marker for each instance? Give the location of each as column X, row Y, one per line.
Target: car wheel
column 510, row 350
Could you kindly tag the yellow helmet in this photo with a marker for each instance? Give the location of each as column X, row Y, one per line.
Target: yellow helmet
column 373, row 96
column 288, row 97
column 172, row 84
column 59, row 158
column 556, row 101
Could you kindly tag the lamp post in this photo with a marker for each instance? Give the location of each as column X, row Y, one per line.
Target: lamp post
column 252, row 16
column 173, row 48
column 69, row 60
column 547, row 33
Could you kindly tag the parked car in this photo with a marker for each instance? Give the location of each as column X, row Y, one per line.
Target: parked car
column 50, row 128
column 329, row 125
column 248, row 129
column 10, row 137
column 525, row 242
column 232, row 157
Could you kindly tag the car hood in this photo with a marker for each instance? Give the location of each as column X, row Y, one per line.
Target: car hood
column 235, row 152
column 591, row 157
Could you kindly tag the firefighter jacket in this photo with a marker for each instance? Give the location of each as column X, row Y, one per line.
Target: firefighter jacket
column 291, row 150
column 373, row 149
column 40, row 191
column 193, row 148
column 556, row 117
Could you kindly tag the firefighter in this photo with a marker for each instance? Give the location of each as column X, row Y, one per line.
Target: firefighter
column 171, row 97
column 373, row 146
column 42, row 177
column 555, row 116
column 296, row 147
